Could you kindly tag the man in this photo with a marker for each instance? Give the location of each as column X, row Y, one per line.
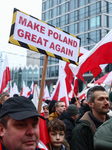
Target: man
column 84, row 107
column 45, row 111
column 59, row 108
column 68, row 117
column 82, row 134
column 19, row 125
column 76, row 101
column 3, row 97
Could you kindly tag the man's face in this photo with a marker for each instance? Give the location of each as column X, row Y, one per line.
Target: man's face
column 20, row 135
column 101, row 104
column 57, row 138
column 60, row 108
column 46, row 111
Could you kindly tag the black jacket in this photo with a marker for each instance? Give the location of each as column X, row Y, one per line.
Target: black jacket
column 70, row 124
column 82, row 134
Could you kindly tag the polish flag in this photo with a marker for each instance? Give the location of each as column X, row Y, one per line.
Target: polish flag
column 63, row 93
column 75, row 90
column 5, row 75
column 55, row 93
column 94, row 59
column 32, row 87
column 83, row 94
column 67, row 79
column 106, row 79
column 82, row 51
column 46, row 93
column 63, row 85
column 44, row 137
column 36, row 96
column 25, row 90
column 15, row 89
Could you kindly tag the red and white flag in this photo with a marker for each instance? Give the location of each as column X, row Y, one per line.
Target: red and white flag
column 91, row 61
column 36, row 96
column 106, row 79
column 5, row 75
column 44, row 137
column 83, row 94
column 82, row 51
column 63, row 85
column 75, row 89
column 13, row 90
column 46, row 93
column 32, row 87
column 25, row 90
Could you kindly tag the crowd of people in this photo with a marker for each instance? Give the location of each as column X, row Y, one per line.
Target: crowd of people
column 84, row 125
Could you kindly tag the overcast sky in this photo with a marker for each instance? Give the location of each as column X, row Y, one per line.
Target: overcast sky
column 32, row 7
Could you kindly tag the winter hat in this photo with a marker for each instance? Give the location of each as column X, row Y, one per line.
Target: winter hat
column 72, row 110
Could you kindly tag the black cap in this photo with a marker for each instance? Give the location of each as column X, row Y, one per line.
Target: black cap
column 19, row 108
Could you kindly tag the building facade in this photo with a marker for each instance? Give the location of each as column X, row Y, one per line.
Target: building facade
column 27, row 74
column 89, row 20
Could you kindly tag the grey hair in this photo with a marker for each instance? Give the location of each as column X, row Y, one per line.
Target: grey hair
column 90, row 93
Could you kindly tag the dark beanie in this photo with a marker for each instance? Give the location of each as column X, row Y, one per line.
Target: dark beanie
column 73, row 100
column 72, row 110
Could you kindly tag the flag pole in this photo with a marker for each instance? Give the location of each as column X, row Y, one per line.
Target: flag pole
column 42, row 83
column 110, row 88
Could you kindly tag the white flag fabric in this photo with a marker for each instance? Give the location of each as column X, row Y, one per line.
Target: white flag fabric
column 35, row 96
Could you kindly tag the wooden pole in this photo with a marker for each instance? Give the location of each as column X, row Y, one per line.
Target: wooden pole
column 42, row 83
column 110, row 88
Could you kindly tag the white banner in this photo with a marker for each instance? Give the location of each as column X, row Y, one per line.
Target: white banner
column 31, row 31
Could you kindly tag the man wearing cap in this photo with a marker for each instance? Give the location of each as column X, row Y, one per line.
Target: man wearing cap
column 19, row 126
column 68, row 117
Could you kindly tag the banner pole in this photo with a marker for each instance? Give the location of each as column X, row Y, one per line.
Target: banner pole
column 42, row 83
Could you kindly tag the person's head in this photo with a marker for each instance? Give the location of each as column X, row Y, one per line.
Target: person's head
column 60, row 107
column 47, row 101
column 98, row 100
column 56, row 131
column 52, row 106
column 75, row 101
column 84, row 102
column 45, row 108
column 3, row 97
column 15, row 95
column 73, row 111
column 19, row 127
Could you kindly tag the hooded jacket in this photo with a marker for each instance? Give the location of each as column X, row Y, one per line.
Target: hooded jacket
column 70, row 124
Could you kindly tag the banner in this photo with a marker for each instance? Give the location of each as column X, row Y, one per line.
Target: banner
column 34, row 34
